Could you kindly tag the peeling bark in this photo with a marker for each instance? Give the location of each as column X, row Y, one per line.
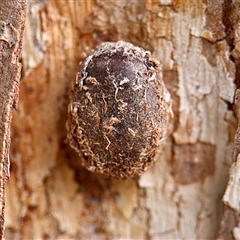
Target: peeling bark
column 12, row 17
column 229, row 227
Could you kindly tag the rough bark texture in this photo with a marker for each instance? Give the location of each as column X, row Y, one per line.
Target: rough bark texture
column 12, row 16
column 51, row 196
column 230, row 224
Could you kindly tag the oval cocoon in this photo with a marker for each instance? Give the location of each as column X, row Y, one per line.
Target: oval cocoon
column 119, row 111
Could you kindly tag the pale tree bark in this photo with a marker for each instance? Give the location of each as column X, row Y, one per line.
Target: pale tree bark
column 12, row 16
column 49, row 194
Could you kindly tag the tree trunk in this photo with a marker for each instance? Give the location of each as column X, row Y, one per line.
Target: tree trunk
column 50, row 195
column 12, row 16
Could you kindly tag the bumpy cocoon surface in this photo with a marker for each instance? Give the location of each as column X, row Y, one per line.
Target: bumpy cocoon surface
column 119, row 112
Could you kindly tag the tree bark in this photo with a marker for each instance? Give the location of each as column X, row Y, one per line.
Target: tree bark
column 12, row 16
column 51, row 196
